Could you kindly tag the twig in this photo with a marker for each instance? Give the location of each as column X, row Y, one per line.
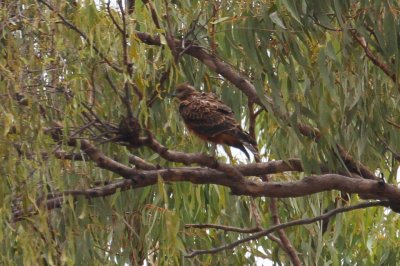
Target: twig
column 70, row 156
column 168, row 36
column 140, row 163
column 361, row 41
column 375, row 60
column 127, row 63
column 114, row 21
column 57, row 200
column 255, row 212
column 161, row 81
column 288, row 224
column 153, row 13
column 395, row 154
column 393, row 123
column 113, row 87
column 355, row 166
column 224, row 227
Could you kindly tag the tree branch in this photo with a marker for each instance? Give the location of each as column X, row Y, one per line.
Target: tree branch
column 202, row 175
column 354, row 166
column 189, row 158
column 287, row 245
column 375, row 60
column 288, row 224
column 224, row 227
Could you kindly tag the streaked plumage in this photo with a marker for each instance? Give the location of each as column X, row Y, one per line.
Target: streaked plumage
column 210, row 119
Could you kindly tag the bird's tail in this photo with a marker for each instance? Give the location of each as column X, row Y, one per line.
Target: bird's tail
column 252, row 148
column 249, row 143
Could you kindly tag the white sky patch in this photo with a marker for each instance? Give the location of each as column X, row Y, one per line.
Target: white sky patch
column 113, row 3
column 261, row 261
column 236, row 153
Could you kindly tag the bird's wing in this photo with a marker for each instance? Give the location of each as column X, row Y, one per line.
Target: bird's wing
column 220, row 106
column 207, row 116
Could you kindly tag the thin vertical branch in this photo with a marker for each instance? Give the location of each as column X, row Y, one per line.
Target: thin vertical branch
column 284, row 240
column 153, row 13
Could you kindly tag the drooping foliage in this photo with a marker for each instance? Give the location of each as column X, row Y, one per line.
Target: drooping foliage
column 327, row 66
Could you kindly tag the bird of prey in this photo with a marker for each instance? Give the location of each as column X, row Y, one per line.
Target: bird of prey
column 212, row 120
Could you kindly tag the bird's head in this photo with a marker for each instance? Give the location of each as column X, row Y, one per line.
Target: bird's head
column 183, row 91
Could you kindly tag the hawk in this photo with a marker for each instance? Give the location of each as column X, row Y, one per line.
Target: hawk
column 212, row 120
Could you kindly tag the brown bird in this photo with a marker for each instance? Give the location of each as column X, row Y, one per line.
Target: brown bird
column 212, row 120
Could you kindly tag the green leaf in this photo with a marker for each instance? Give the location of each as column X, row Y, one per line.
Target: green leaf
column 8, row 121
column 276, row 19
column 220, row 20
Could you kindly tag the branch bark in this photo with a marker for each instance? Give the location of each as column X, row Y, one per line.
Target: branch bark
column 285, row 225
column 202, row 175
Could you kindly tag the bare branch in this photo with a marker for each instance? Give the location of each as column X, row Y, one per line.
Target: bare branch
column 393, row 123
column 287, row 245
column 114, row 21
column 354, row 166
column 374, row 59
column 57, row 200
column 201, row 175
column 288, row 224
column 141, row 164
column 224, row 227
column 189, row 158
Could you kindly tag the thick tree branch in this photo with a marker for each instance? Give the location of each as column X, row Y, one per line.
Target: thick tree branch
column 189, row 158
column 200, row 175
column 288, row 224
column 222, row 175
